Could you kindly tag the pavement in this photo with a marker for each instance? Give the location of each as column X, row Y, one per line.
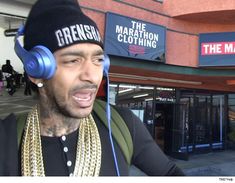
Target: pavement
column 16, row 103
column 219, row 163
column 216, row 163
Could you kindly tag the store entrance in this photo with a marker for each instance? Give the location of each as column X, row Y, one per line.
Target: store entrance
column 181, row 121
column 199, row 124
column 153, row 105
column 163, row 124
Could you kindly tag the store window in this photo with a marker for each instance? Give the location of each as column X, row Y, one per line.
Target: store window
column 138, row 98
column 218, row 120
column 153, row 105
column 231, row 118
column 200, row 122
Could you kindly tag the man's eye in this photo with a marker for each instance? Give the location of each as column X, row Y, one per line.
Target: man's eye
column 98, row 61
column 101, row 60
column 71, row 61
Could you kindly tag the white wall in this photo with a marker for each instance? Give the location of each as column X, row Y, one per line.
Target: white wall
column 7, row 52
column 7, row 43
column 14, row 8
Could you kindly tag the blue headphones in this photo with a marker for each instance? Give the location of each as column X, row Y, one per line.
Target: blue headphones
column 39, row 62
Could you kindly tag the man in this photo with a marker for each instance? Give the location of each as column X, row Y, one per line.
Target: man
column 63, row 135
column 27, row 89
column 8, row 72
column 7, row 67
column 1, row 83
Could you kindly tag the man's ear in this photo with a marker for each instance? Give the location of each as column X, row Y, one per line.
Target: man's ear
column 35, row 80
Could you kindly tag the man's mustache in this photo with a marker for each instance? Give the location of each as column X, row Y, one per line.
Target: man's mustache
column 84, row 86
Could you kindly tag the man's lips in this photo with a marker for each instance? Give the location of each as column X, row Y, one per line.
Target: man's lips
column 84, row 98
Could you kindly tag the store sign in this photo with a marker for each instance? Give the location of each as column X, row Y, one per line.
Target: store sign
column 217, row 49
column 133, row 38
column 165, row 95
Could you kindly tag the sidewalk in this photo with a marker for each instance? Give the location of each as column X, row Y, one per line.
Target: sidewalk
column 16, row 103
column 219, row 163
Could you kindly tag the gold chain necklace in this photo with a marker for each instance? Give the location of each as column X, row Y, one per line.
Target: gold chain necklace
column 88, row 156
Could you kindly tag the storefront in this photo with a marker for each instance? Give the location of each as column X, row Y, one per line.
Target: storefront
column 186, row 109
column 182, row 121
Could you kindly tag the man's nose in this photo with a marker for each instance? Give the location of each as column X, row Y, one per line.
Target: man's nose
column 88, row 71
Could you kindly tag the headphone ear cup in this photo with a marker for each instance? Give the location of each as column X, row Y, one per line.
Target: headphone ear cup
column 43, row 64
column 106, row 65
column 39, row 62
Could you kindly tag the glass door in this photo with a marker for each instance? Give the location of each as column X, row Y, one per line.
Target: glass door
column 218, row 122
column 209, row 122
column 180, row 130
column 202, row 122
column 199, row 123
column 163, row 117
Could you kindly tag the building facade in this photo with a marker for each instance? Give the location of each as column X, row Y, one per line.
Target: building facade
column 188, row 106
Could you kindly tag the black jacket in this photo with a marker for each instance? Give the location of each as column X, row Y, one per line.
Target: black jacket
column 147, row 156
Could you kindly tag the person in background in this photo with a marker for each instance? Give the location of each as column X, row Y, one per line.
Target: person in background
column 27, row 89
column 7, row 68
column 1, row 83
column 8, row 73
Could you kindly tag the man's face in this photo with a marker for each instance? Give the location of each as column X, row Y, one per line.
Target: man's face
column 74, row 86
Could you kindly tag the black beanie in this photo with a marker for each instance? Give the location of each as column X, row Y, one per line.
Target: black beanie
column 57, row 24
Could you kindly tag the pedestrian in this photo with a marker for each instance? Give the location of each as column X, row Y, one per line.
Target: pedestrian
column 27, row 89
column 7, row 67
column 8, row 72
column 1, row 83
column 65, row 134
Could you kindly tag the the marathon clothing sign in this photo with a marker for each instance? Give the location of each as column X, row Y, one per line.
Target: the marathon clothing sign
column 217, row 49
column 129, row 37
